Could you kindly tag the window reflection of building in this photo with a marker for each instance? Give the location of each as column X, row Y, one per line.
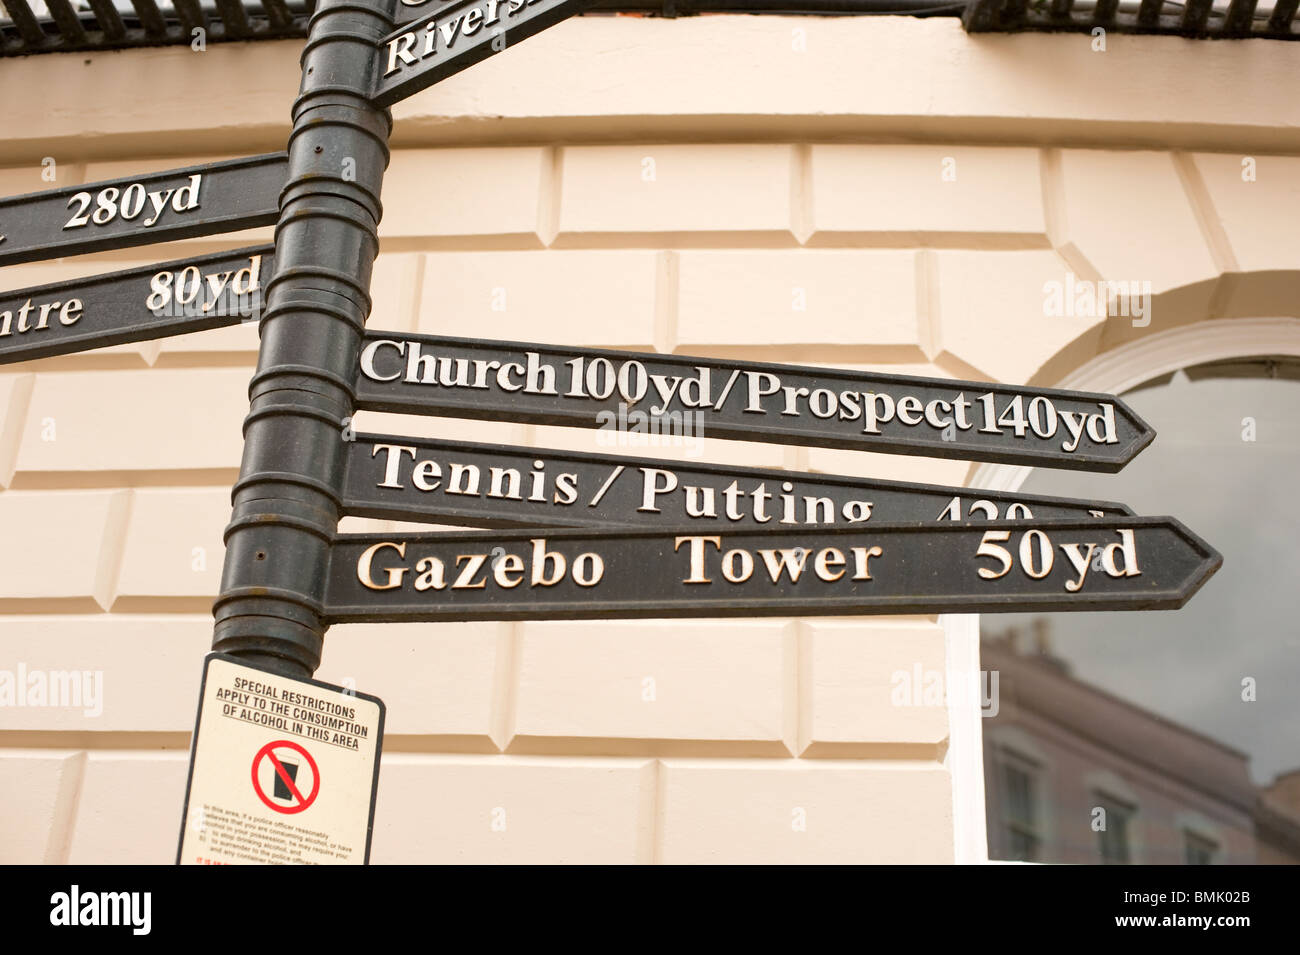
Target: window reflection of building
column 1059, row 750
column 1111, row 822
column 1023, row 837
column 1200, row 851
column 1277, row 820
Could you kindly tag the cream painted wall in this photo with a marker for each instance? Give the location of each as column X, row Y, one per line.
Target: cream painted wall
column 787, row 165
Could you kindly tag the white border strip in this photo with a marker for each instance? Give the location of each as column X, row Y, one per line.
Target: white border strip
column 965, row 756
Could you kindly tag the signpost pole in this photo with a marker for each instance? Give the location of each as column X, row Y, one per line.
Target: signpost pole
column 287, row 499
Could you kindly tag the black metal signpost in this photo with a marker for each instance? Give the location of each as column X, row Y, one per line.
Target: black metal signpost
column 172, row 298
column 457, row 35
column 1133, row 563
column 156, row 207
column 269, row 613
column 784, row 404
column 287, row 498
column 486, row 485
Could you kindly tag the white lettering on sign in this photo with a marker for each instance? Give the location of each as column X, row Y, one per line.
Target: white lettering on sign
column 891, row 568
column 190, row 291
column 184, row 292
column 988, row 510
column 404, row 466
column 131, row 203
column 735, row 503
column 541, row 567
column 385, row 565
column 757, row 393
column 1036, row 556
column 427, row 39
column 37, row 318
column 737, row 564
column 471, row 480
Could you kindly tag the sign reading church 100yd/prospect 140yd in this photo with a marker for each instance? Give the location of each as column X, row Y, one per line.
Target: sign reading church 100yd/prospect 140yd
column 782, row 404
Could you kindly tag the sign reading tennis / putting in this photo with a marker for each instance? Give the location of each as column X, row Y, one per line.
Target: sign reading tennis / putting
column 456, row 36
column 781, row 404
column 156, row 301
column 157, row 207
column 1130, row 563
column 486, row 485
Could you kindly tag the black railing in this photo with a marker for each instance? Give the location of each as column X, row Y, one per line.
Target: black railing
column 106, row 25
column 1237, row 19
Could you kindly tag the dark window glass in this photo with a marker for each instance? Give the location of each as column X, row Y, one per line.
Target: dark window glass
column 1200, row 851
column 1112, row 838
column 1187, row 714
column 1022, row 834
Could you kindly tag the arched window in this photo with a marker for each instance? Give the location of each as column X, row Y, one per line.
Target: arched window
column 1193, row 712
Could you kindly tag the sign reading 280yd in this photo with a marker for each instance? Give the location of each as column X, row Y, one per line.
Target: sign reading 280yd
column 137, row 210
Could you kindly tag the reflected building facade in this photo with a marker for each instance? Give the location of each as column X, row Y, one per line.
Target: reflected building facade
column 1076, row 775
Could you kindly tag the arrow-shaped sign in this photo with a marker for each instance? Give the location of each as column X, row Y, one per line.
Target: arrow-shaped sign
column 488, row 485
column 158, row 207
column 716, row 398
column 456, row 36
column 156, row 301
column 1129, row 563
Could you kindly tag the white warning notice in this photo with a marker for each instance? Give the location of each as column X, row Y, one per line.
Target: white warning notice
column 282, row 771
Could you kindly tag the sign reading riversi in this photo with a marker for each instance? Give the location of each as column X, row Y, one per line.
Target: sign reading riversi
column 157, row 207
column 282, row 771
column 458, row 35
column 173, row 298
column 782, row 404
column 1130, row 563
column 486, row 485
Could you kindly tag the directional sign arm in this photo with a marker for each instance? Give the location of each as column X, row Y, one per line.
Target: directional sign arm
column 155, row 301
column 488, row 485
column 137, row 210
column 619, row 391
column 1132, row 563
column 455, row 37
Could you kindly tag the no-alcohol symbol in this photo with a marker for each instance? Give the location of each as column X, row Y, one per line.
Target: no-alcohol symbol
column 289, row 773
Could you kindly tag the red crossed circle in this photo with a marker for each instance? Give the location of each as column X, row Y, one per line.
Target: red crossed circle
column 301, row 801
